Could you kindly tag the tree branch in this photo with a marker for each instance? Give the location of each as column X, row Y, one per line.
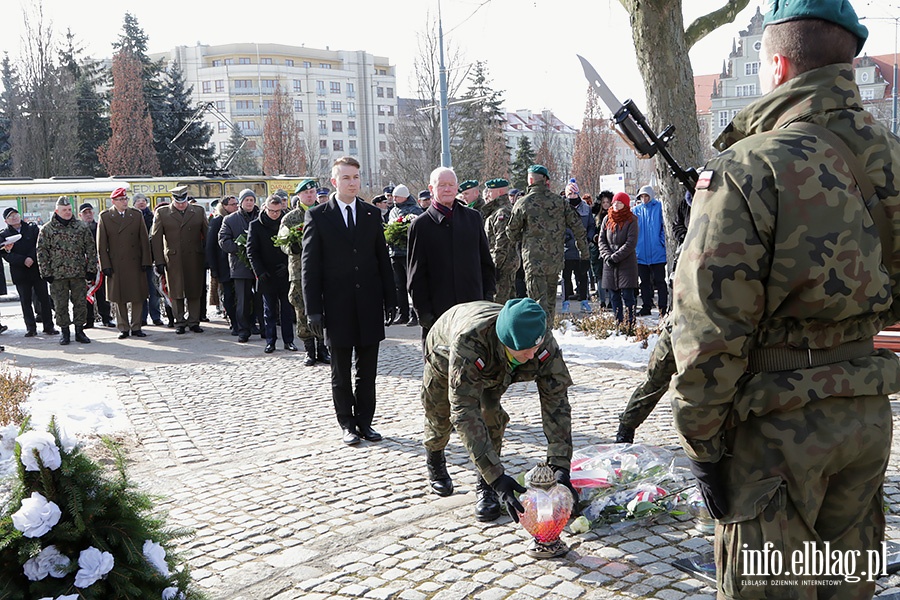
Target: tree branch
column 703, row 26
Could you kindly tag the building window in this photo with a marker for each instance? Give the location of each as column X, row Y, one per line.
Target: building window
column 351, row 108
column 223, row 146
column 385, row 110
column 323, row 127
column 335, row 87
column 751, row 68
column 289, row 62
column 335, row 107
column 243, row 84
column 307, row 64
column 265, row 61
column 267, row 104
column 298, row 105
column 390, row 92
column 723, row 118
column 298, row 87
column 244, row 61
column 351, row 90
column 864, row 76
column 323, row 144
column 324, row 66
column 390, row 128
column 381, row 128
column 217, row 63
column 379, row 92
column 243, row 104
column 382, row 146
column 299, row 125
column 351, row 125
column 320, row 107
column 337, row 145
column 867, row 94
column 223, row 126
column 267, row 83
column 220, row 105
column 382, row 71
column 352, row 145
column 207, row 87
column 229, row 61
column 745, row 90
column 246, row 125
column 220, row 85
column 337, row 126
column 320, row 88
column 734, row 112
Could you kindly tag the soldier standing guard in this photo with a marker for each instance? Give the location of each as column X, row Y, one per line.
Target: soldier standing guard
column 474, row 352
column 538, row 221
column 316, row 351
column 468, row 195
column 503, row 252
column 67, row 258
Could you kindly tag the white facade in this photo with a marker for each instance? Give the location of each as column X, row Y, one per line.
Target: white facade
column 540, row 127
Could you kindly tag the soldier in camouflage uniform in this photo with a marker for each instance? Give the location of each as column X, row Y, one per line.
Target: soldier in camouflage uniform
column 315, row 347
column 473, row 353
column 538, row 221
column 468, row 195
column 781, row 401
column 67, row 258
column 504, row 253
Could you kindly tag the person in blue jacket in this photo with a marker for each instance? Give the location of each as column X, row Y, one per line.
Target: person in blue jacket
column 651, row 252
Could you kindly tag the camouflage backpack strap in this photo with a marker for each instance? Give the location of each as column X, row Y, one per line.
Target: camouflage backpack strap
column 870, row 197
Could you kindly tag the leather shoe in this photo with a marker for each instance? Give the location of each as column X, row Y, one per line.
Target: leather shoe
column 350, row 438
column 138, row 333
column 180, row 329
column 242, row 339
column 30, row 333
column 89, row 325
column 369, row 434
column 290, row 346
column 123, row 335
column 196, row 329
column 51, row 331
column 270, row 348
column 158, row 323
column 108, row 324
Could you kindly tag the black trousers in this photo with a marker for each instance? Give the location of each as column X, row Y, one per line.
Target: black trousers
column 248, row 306
column 229, row 303
column 277, row 307
column 354, row 408
column 577, row 267
column 654, row 277
column 398, row 263
column 35, row 287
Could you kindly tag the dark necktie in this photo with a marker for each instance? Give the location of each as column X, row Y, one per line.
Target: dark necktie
column 350, row 225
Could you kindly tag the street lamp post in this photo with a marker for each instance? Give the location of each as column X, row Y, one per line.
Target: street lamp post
column 445, row 118
column 896, row 21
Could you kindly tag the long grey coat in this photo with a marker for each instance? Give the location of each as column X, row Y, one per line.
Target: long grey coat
column 178, row 241
column 621, row 246
column 124, row 246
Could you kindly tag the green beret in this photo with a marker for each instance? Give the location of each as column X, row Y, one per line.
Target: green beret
column 468, row 184
column 494, row 184
column 521, row 324
column 838, row 12
column 306, row 184
column 539, row 169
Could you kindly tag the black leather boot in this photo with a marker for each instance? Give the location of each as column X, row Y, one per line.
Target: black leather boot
column 80, row 337
column 437, row 473
column 487, row 507
column 65, row 336
column 310, row 347
column 625, row 435
column 322, row 352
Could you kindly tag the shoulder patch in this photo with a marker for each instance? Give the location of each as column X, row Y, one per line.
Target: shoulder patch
column 479, row 364
column 705, row 179
column 544, row 355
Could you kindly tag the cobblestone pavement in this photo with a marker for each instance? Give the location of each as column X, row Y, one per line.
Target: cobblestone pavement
column 245, row 449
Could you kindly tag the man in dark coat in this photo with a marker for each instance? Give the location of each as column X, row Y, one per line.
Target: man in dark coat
column 449, row 263
column 348, row 292
column 247, row 298
column 123, row 247
column 22, row 259
column 217, row 259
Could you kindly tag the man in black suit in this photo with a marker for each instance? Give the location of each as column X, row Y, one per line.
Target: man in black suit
column 348, row 291
column 22, row 259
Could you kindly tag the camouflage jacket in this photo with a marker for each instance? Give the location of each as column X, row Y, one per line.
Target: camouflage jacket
column 66, row 250
column 503, row 252
column 782, row 252
column 463, row 347
column 538, row 221
column 296, row 217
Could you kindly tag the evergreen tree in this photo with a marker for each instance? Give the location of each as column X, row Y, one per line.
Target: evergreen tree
column 196, row 155
column 9, row 110
column 479, row 116
column 244, row 162
column 282, row 149
column 92, row 119
column 524, row 159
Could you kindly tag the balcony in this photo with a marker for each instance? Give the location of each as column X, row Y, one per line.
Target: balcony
column 245, row 112
column 351, row 132
column 353, row 151
column 243, row 91
column 320, row 92
column 351, row 113
column 323, row 151
column 351, row 94
column 323, row 131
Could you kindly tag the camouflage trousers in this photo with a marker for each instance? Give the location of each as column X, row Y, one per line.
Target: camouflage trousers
column 295, row 296
column 72, row 289
column 436, row 402
column 660, row 370
column 506, row 285
column 796, row 481
column 541, row 288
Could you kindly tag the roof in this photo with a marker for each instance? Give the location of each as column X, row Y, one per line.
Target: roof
column 885, row 65
column 704, row 86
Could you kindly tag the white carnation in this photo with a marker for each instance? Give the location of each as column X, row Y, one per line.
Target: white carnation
column 156, row 556
column 37, row 516
column 50, row 561
column 42, row 443
column 93, row 566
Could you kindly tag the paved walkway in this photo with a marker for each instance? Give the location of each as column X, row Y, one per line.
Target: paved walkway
column 246, row 450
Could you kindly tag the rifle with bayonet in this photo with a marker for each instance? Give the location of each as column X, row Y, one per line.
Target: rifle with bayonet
column 632, row 126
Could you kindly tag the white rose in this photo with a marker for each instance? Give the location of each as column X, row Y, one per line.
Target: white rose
column 172, row 593
column 94, row 565
column 37, row 516
column 156, row 556
column 45, row 445
column 50, row 561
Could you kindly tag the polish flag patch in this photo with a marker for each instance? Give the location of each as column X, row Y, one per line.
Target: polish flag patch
column 543, row 356
column 479, row 364
column 704, row 180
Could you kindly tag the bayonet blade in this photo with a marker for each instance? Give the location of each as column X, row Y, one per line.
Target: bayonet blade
column 606, row 94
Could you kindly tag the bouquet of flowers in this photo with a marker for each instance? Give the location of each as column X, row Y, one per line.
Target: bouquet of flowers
column 396, row 232
column 287, row 236
column 241, row 242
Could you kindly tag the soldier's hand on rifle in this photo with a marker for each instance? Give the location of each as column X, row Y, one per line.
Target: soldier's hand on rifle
column 316, row 325
column 161, row 269
column 107, row 271
column 506, row 486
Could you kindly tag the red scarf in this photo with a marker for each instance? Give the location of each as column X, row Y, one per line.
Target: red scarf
column 618, row 217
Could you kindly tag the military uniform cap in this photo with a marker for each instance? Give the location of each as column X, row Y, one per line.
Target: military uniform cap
column 85, row 206
column 63, row 201
column 839, row 12
column 306, row 184
column 324, row 191
column 386, row 190
column 118, row 193
column 515, row 192
column 424, row 195
column 494, row 184
column 539, row 169
column 9, row 211
column 468, row 184
column 179, row 192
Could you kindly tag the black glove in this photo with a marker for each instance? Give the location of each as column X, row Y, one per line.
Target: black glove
column 316, row 324
column 562, row 478
column 91, row 276
column 712, row 488
column 49, row 278
column 295, row 248
column 390, row 314
column 506, row 486
column 427, row 320
column 107, row 271
column 609, row 262
column 161, row 269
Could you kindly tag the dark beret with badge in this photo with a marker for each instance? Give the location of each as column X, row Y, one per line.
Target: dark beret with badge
column 306, row 184
column 839, row 12
column 468, row 184
column 495, row 184
column 63, row 201
column 540, row 169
